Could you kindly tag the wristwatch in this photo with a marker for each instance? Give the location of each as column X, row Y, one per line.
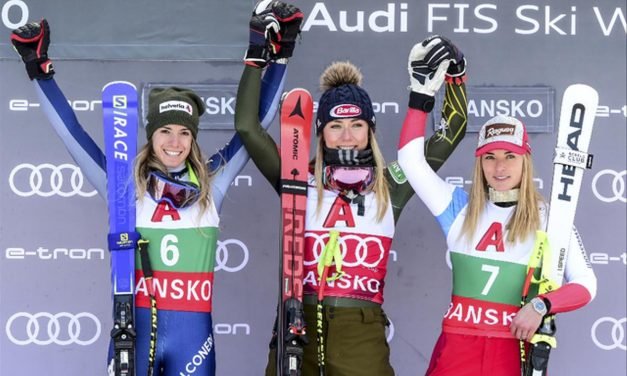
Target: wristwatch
column 539, row 306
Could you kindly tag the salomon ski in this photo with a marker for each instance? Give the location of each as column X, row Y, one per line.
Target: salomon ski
column 119, row 107
column 296, row 114
column 577, row 115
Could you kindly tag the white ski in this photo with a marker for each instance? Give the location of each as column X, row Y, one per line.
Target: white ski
column 579, row 106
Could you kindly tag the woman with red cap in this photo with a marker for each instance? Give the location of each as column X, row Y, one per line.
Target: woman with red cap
column 490, row 233
column 353, row 191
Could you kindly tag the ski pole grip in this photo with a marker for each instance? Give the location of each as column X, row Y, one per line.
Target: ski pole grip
column 143, row 253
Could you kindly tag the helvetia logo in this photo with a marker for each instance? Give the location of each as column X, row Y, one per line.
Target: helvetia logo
column 175, row 106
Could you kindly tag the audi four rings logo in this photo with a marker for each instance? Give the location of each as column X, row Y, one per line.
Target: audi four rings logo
column 44, row 328
column 230, row 250
column 612, row 184
column 608, row 333
column 365, row 245
column 47, row 180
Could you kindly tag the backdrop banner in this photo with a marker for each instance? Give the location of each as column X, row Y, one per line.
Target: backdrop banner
column 55, row 300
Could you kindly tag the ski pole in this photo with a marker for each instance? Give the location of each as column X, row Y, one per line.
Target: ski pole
column 534, row 262
column 330, row 252
column 148, row 274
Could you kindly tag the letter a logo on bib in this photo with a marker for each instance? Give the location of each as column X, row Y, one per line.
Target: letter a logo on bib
column 492, row 237
column 340, row 212
column 163, row 210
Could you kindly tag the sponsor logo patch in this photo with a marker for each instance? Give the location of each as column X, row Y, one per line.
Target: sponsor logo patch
column 175, row 106
column 499, row 130
column 345, row 111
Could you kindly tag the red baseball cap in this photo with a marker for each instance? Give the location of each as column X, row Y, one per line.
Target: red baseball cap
column 503, row 132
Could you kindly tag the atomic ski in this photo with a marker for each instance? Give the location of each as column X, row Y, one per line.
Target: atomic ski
column 119, row 107
column 296, row 114
column 579, row 106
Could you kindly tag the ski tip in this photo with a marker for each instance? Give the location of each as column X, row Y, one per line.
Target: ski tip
column 125, row 83
column 582, row 90
column 298, row 90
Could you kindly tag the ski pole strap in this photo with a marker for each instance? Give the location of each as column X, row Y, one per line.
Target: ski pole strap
column 331, row 253
column 574, row 158
column 123, row 240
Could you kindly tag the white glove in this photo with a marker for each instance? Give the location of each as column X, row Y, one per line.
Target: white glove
column 426, row 67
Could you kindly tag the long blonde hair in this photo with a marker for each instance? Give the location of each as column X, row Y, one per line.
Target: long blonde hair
column 526, row 218
column 146, row 161
column 379, row 186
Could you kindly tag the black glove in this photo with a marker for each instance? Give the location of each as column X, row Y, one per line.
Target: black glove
column 290, row 18
column 456, row 72
column 263, row 37
column 427, row 65
column 31, row 42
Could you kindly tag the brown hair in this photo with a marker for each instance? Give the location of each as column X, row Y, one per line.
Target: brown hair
column 146, row 161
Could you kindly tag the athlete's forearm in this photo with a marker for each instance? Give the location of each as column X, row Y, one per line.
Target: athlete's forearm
column 455, row 114
column 258, row 142
column 81, row 146
column 229, row 161
column 431, row 189
column 567, row 298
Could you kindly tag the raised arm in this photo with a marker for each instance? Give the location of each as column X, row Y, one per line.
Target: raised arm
column 429, row 62
column 31, row 41
column 264, row 46
column 231, row 159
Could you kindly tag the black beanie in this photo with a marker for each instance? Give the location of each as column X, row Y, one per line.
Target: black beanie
column 173, row 105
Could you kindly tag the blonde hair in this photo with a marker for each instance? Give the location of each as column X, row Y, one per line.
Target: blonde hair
column 146, row 161
column 379, row 186
column 526, row 217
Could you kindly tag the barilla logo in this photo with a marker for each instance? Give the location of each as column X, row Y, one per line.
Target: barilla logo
column 499, row 130
column 176, row 106
column 345, row 111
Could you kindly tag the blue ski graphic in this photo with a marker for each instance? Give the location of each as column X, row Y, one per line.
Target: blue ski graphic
column 119, row 107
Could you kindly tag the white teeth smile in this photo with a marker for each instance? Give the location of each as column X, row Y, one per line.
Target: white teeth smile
column 347, row 147
column 173, row 153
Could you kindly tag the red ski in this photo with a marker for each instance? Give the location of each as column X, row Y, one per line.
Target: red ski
column 296, row 114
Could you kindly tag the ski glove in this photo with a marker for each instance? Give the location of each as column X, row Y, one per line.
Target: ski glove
column 31, row 42
column 456, row 72
column 427, row 65
column 290, row 18
column 264, row 34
